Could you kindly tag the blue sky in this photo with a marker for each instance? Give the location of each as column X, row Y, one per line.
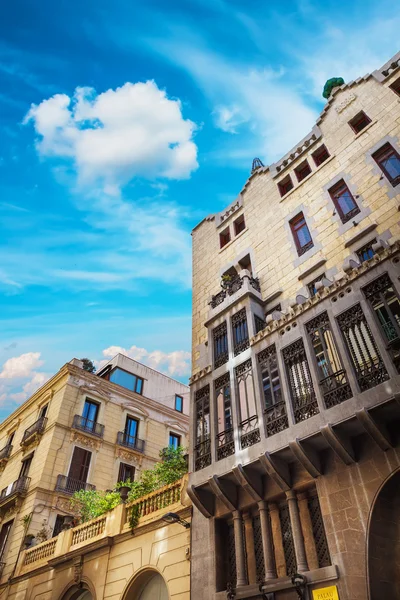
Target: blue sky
column 122, row 126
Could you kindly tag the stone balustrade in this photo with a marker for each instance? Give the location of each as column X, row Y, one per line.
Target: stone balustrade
column 165, row 496
column 40, row 552
column 89, row 530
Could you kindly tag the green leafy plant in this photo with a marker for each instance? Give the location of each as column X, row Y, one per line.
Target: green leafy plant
column 26, row 519
column 135, row 516
column 90, row 504
column 44, row 532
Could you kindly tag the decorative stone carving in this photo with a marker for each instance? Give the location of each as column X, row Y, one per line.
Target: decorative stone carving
column 345, row 102
column 87, row 441
column 64, row 505
column 128, row 456
column 78, row 568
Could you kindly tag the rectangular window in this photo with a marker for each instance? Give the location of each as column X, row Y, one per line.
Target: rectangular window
column 311, row 286
column 301, row 386
column 89, row 415
column 259, row 323
column 225, row 443
column 25, row 466
column 220, row 335
column 285, row 185
column 249, row 429
column 126, row 472
column 4, row 535
column 131, row 431
column 396, row 86
column 332, row 377
column 359, row 122
column 367, row 362
column 385, row 302
column 366, row 252
column 127, row 380
column 58, row 525
column 178, row 403
column 239, row 225
column 43, row 411
column 80, row 463
column 224, row 237
column 320, row 155
column 302, row 170
column 389, row 161
column 240, row 332
column 202, row 449
column 344, row 202
column 174, row 440
column 301, row 234
column 274, row 405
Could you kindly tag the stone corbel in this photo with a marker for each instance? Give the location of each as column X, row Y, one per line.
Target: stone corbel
column 249, row 481
column 307, row 457
column 277, row 469
column 226, row 491
column 203, row 501
column 132, row 457
column 341, row 447
column 377, row 432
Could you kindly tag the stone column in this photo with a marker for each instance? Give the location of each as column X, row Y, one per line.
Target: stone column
column 277, row 540
column 239, row 549
column 306, row 526
column 298, row 540
column 267, row 543
column 250, row 550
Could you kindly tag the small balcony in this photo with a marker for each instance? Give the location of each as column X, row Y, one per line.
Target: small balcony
column 130, row 441
column 34, row 431
column 88, row 426
column 5, row 455
column 234, row 287
column 68, row 485
column 15, row 489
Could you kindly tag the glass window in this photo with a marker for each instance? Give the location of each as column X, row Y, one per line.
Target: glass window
column 320, row 155
column 178, row 403
column 224, row 237
column 4, row 534
column 239, row 225
column 220, row 335
column 127, row 380
column 300, row 383
column 131, row 428
column 43, row 411
column 396, row 86
column 389, row 161
column 90, row 413
column 285, row 185
column 311, row 286
column 366, row 252
column 359, row 122
column 302, row 170
column 301, row 234
column 126, row 472
column 343, row 201
column 174, row 440
column 240, row 332
column 25, row 467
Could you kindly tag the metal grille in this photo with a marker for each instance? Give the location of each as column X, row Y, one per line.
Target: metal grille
column 321, row 544
column 249, row 430
column 224, row 439
column 258, row 548
column 275, row 416
column 367, row 362
column 287, row 540
column 301, row 387
column 202, row 449
column 259, row 323
column 231, row 555
column 221, row 354
column 366, row 252
column 240, row 332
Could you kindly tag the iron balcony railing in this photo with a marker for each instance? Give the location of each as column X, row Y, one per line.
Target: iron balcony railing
column 68, row 485
column 36, row 429
column 19, row 486
column 231, row 286
column 5, row 452
column 130, row 441
column 84, row 424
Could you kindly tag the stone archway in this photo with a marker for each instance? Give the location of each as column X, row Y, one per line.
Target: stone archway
column 384, row 542
column 150, row 585
column 76, row 593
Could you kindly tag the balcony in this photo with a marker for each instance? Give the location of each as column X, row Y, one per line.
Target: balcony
column 88, row 426
column 239, row 284
column 15, row 489
column 34, row 431
column 5, row 455
column 249, row 432
column 129, row 441
column 335, row 388
column 68, row 485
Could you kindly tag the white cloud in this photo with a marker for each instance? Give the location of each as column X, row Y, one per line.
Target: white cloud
column 176, row 363
column 21, row 366
column 30, row 387
column 134, row 130
column 15, row 372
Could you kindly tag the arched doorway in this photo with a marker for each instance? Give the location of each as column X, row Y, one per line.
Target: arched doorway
column 150, row 585
column 78, row 593
column 384, row 542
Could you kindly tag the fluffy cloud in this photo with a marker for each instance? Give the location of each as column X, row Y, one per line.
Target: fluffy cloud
column 176, row 364
column 21, row 371
column 134, row 130
column 21, row 366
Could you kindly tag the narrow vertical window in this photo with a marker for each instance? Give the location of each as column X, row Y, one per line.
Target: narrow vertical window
column 240, row 332
column 389, row 161
column 285, row 185
column 383, row 298
column 239, row 225
column 178, row 403
column 320, row 155
column 220, row 335
column 126, row 472
column 224, row 237
column 301, row 234
column 4, row 535
column 274, row 405
column 396, row 86
column 366, row 360
column 202, row 449
column 174, row 440
column 332, row 377
column 359, row 122
column 302, row 170
column 344, row 202
column 301, row 387
column 318, row 529
column 249, row 429
column 225, row 443
column 366, row 252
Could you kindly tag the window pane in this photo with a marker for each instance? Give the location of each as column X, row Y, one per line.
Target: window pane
column 131, row 427
column 391, row 164
column 126, row 380
column 139, row 385
column 179, row 403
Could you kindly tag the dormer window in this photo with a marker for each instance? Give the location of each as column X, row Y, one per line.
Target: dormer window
column 224, row 237
column 396, row 86
column 239, row 225
column 302, row 170
column 320, row 155
column 285, row 185
column 359, row 122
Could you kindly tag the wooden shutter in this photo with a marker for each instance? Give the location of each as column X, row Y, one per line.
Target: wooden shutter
column 80, row 464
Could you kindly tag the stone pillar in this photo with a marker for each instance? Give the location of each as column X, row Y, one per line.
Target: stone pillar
column 298, row 540
column 306, row 526
column 267, row 543
column 250, row 550
column 277, row 540
column 239, row 549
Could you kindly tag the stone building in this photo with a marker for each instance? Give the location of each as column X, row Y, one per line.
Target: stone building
column 295, row 385
column 82, row 431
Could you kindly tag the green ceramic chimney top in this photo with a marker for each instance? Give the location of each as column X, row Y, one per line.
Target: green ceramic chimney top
column 330, row 84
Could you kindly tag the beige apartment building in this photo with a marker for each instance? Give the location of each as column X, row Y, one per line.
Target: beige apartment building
column 295, row 387
column 88, row 431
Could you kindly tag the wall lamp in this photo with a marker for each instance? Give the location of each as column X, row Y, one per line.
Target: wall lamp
column 300, row 583
column 174, row 518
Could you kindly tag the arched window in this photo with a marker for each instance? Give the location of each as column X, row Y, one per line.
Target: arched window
column 150, row 585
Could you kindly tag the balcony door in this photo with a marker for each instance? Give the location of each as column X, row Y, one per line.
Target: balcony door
column 131, row 431
column 90, row 414
column 4, row 534
column 80, row 463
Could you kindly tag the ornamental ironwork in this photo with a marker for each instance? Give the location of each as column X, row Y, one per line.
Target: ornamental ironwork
column 202, row 449
column 367, row 362
column 224, row 439
column 258, row 548
column 259, row 323
column 249, row 432
column 287, row 540
column 240, row 332
column 202, row 455
column 231, row 285
column 225, row 444
column 301, row 387
column 231, row 555
column 275, row 416
column 221, row 354
column 321, row 544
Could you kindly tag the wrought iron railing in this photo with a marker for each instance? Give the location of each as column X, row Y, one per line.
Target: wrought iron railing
column 202, row 454
column 225, row 444
column 130, row 441
column 349, row 215
column 260, row 324
column 165, row 496
column 335, row 388
column 88, row 426
column 249, row 432
column 89, row 530
column 305, row 403
column 232, row 286
column 19, row 486
column 36, row 429
column 275, row 418
column 390, row 331
column 5, row 452
column 68, row 485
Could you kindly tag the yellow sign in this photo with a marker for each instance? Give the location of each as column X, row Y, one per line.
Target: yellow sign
column 327, row 593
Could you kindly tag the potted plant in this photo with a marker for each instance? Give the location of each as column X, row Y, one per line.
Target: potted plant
column 28, row 539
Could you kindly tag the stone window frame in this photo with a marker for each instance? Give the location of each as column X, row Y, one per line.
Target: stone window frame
column 321, row 150
column 238, row 223
column 383, row 181
column 224, row 237
column 341, row 186
column 283, row 183
column 362, row 117
column 360, row 216
column 94, row 454
column 317, row 247
column 299, row 170
column 395, row 86
column 394, row 181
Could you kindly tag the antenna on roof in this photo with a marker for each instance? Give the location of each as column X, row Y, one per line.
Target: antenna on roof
column 257, row 163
